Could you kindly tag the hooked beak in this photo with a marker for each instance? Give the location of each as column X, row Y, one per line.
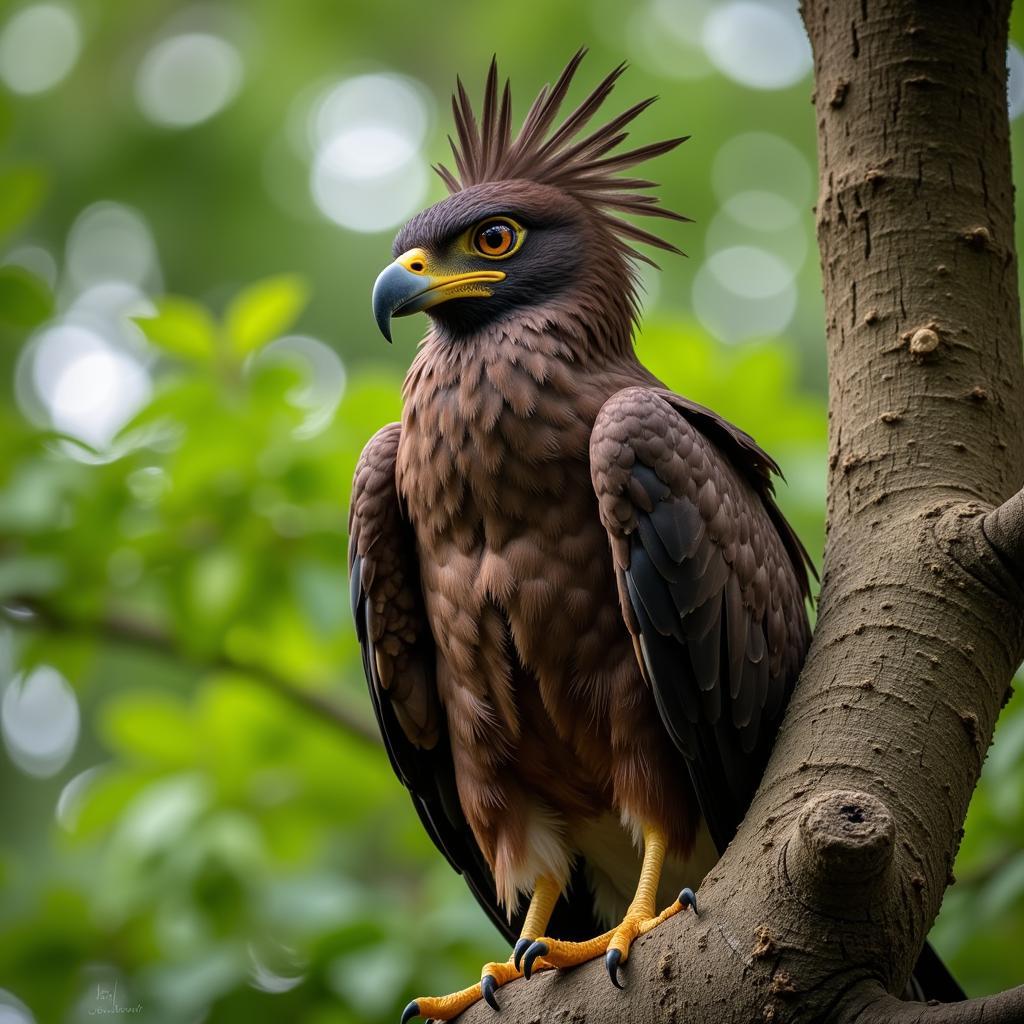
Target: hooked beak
column 408, row 286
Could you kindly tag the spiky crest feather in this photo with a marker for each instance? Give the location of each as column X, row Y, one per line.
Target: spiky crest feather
column 583, row 167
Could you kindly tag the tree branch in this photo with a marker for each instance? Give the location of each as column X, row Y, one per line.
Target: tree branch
column 1003, row 1008
column 1004, row 528
column 131, row 632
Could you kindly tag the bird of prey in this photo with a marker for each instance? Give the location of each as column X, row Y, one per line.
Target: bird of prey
column 581, row 611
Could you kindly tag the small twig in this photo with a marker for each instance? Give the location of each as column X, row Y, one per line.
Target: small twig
column 137, row 633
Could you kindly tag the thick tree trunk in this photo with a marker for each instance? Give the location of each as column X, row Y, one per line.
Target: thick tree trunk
column 820, row 906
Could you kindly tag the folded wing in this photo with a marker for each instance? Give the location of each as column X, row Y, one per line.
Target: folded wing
column 712, row 583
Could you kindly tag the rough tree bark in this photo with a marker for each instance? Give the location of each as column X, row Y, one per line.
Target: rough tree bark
column 818, row 909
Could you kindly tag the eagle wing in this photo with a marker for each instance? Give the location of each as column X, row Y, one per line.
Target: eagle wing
column 712, row 583
column 399, row 659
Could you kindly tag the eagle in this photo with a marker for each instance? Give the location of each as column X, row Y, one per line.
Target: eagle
column 580, row 609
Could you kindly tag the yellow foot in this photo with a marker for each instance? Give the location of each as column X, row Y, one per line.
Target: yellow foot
column 492, row 977
column 614, row 944
column 635, row 925
column 556, row 953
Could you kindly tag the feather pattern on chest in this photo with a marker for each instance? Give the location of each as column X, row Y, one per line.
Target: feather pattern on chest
column 493, row 467
column 535, row 668
column 491, row 427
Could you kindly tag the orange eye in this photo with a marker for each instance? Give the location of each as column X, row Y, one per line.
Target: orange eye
column 498, row 238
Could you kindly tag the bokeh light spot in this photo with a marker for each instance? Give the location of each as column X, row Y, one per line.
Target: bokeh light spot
column 762, row 162
column 364, row 977
column 368, row 100
column 107, row 309
column 275, row 969
column 161, row 813
column 1015, row 80
column 149, row 484
column 13, row 1010
column 665, row 36
column 72, row 797
column 744, row 292
column 36, row 259
column 38, row 47
column 88, row 388
column 324, row 378
column 750, row 272
column 348, row 196
column 726, row 231
column 109, row 241
column 186, row 79
column 367, row 173
column 40, row 721
column 766, row 211
column 762, row 45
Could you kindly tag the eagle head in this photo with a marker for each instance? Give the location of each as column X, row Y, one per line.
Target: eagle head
column 532, row 223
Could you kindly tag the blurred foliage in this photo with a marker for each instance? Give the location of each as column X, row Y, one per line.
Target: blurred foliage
column 225, row 843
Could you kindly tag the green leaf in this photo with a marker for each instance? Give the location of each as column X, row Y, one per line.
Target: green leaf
column 263, row 311
column 155, row 728
column 21, row 191
column 181, row 327
column 24, row 299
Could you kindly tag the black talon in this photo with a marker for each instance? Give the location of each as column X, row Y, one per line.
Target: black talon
column 412, row 1010
column 536, row 950
column 488, row 983
column 687, row 898
column 612, row 960
column 520, row 948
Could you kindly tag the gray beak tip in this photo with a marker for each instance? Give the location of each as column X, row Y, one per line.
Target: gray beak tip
column 394, row 288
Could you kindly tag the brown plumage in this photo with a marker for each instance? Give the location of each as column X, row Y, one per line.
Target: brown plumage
column 581, row 611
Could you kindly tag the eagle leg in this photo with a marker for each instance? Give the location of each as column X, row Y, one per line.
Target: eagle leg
column 643, row 915
column 494, row 975
column 640, row 918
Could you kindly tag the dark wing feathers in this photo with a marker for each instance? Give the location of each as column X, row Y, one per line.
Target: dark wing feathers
column 396, row 645
column 656, row 600
column 398, row 660
column 699, row 499
column 713, row 582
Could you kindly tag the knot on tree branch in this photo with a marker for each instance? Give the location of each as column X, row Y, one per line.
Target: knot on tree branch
column 843, row 849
